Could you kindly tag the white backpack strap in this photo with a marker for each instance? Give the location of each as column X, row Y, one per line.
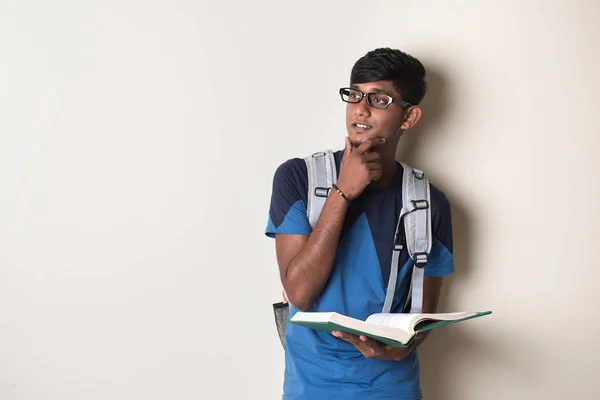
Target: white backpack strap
column 416, row 207
column 322, row 174
column 416, row 215
column 391, row 288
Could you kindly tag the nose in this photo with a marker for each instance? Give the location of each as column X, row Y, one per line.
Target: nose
column 362, row 108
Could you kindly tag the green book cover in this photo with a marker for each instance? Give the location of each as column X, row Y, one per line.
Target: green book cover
column 423, row 326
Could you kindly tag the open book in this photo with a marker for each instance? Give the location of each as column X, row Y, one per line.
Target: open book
column 397, row 330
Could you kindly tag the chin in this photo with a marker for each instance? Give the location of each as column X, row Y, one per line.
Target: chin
column 355, row 142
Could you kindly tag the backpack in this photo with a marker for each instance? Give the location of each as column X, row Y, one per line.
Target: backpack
column 413, row 229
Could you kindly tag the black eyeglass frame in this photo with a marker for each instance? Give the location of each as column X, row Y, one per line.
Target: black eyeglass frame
column 363, row 95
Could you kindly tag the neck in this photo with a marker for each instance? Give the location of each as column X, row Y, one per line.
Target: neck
column 388, row 161
column 388, row 169
column 387, row 153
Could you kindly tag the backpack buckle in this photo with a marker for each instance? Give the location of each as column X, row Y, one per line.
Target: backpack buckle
column 420, row 204
column 418, row 173
column 322, row 192
column 399, row 241
column 420, row 259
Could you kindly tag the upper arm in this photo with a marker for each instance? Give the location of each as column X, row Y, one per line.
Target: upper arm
column 441, row 259
column 287, row 210
column 288, row 222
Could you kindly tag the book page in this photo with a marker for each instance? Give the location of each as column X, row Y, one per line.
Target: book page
column 407, row 321
column 399, row 321
column 313, row 316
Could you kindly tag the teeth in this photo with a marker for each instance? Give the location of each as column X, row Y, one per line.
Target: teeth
column 362, row 126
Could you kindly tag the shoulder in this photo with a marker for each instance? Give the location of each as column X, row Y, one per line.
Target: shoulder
column 291, row 168
column 290, row 182
column 439, row 200
column 441, row 218
column 291, row 173
column 287, row 212
column 294, row 171
column 440, row 213
column 291, row 176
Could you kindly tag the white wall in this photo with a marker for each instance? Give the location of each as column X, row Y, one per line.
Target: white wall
column 137, row 146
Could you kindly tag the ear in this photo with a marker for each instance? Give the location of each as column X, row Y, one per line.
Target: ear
column 411, row 117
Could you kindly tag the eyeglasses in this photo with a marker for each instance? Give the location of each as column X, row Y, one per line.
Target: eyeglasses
column 375, row 100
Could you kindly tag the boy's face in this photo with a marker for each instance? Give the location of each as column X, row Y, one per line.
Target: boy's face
column 364, row 122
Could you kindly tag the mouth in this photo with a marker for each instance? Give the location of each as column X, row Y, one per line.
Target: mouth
column 361, row 127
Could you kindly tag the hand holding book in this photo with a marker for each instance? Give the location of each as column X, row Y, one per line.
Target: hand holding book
column 373, row 349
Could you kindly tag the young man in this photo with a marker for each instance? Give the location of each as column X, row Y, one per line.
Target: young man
column 343, row 264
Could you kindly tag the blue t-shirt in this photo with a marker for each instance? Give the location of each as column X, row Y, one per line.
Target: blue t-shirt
column 318, row 365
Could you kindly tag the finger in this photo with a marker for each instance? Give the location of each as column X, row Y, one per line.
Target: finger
column 347, row 337
column 375, row 174
column 365, row 349
column 370, row 157
column 367, row 144
column 348, row 148
column 372, row 343
column 341, row 335
column 370, row 348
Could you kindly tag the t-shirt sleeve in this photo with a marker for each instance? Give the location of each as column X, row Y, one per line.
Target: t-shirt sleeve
column 441, row 259
column 287, row 211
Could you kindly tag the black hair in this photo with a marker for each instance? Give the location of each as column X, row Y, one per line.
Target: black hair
column 407, row 73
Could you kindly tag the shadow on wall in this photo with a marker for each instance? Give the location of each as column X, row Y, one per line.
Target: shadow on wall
column 444, row 349
column 437, row 106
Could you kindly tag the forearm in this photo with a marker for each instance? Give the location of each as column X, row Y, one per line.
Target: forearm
column 308, row 272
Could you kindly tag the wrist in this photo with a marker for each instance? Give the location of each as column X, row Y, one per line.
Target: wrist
column 420, row 338
column 335, row 188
